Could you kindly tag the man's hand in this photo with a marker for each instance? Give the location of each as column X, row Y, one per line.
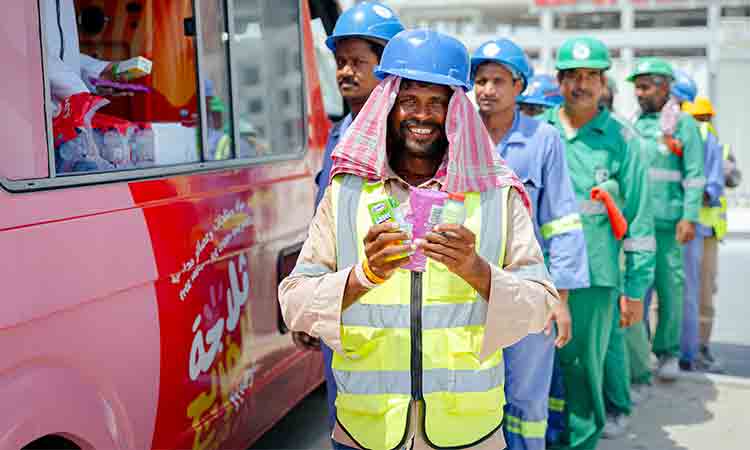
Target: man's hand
column 383, row 243
column 631, row 311
column 685, row 231
column 304, row 341
column 560, row 314
column 455, row 247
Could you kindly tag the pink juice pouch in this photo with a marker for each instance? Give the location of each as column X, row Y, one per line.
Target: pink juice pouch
column 425, row 211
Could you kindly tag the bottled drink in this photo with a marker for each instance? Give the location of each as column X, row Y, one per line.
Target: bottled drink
column 454, row 210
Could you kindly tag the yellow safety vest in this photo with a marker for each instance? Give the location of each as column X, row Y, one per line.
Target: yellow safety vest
column 714, row 216
column 417, row 336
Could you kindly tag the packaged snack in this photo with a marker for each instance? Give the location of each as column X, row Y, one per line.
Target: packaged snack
column 115, row 139
column 426, row 211
column 76, row 149
column 381, row 211
column 143, row 145
column 388, row 210
column 133, row 68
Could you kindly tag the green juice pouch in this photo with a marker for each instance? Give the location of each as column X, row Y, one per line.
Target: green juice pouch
column 383, row 211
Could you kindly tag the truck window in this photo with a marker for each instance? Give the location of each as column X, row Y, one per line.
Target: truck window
column 269, row 92
column 216, row 81
column 122, row 84
column 173, row 85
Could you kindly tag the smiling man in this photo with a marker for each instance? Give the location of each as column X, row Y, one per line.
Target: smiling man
column 601, row 153
column 418, row 355
column 357, row 43
column 534, row 151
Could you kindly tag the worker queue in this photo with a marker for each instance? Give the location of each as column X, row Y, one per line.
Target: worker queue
column 525, row 323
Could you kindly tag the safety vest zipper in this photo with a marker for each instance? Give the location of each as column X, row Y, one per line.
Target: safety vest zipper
column 416, row 335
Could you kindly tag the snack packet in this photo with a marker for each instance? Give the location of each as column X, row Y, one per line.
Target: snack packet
column 76, row 149
column 389, row 210
column 426, row 211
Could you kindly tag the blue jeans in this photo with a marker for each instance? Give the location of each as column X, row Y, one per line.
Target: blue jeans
column 692, row 258
column 330, row 384
column 528, row 376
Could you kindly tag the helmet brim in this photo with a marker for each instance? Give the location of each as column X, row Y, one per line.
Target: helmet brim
column 631, row 78
column 597, row 65
column 477, row 61
column 534, row 101
column 418, row 75
column 331, row 40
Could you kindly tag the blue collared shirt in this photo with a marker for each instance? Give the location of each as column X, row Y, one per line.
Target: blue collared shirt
column 323, row 177
column 713, row 166
column 533, row 149
column 714, row 169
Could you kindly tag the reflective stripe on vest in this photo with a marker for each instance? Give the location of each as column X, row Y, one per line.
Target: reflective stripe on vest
column 640, row 244
column 376, row 376
column 675, row 176
column 223, row 148
column 591, row 207
column 707, row 127
column 562, row 225
column 656, row 174
column 715, row 217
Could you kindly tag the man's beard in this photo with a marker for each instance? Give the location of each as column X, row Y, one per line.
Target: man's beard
column 648, row 105
column 434, row 150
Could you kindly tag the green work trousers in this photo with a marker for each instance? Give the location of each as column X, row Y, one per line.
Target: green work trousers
column 669, row 282
column 617, row 370
column 582, row 364
column 639, row 353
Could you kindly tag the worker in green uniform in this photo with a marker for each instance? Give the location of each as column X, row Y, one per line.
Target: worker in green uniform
column 598, row 152
column 675, row 150
column 617, row 362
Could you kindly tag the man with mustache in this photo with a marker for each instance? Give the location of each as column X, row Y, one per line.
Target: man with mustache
column 676, row 173
column 357, row 42
column 418, row 354
column 600, row 154
column 534, row 151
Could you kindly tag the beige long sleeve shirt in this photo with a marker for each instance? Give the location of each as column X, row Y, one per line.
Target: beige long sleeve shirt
column 311, row 298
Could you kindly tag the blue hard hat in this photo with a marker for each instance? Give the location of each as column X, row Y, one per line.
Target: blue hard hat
column 505, row 52
column 426, row 55
column 683, row 86
column 368, row 20
column 542, row 90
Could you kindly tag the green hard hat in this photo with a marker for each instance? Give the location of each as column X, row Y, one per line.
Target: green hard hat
column 216, row 104
column 583, row 53
column 652, row 66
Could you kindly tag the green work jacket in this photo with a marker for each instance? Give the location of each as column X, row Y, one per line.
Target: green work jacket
column 605, row 153
column 677, row 183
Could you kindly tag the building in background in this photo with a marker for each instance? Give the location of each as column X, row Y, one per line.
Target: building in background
column 708, row 38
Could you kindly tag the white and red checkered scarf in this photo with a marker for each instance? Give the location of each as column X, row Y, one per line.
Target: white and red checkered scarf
column 472, row 164
column 670, row 115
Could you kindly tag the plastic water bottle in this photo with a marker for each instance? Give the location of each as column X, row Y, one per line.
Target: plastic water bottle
column 454, row 210
column 143, row 146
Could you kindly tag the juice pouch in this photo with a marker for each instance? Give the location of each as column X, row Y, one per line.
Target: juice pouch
column 425, row 213
column 387, row 210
